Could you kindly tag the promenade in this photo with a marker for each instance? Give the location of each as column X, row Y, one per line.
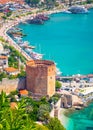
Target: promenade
column 10, row 23
column 77, row 85
column 3, row 32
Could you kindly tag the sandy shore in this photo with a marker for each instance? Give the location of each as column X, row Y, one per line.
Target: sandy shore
column 65, row 120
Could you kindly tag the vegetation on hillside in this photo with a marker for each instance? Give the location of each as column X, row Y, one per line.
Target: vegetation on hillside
column 22, row 114
column 15, row 59
column 46, row 3
column 8, row 14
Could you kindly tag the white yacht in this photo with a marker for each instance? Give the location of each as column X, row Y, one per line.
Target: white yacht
column 36, row 56
column 78, row 10
column 58, row 72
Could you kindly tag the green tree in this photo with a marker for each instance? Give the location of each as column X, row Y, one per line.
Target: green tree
column 21, row 74
column 43, row 112
column 89, row 1
column 33, row 2
column 15, row 119
column 3, row 100
column 58, row 85
column 41, row 127
column 55, row 124
column 2, row 39
column 3, row 75
column 9, row 14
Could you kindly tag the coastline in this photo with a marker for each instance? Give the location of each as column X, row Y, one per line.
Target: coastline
column 3, row 33
column 65, row 120
column 8, row 25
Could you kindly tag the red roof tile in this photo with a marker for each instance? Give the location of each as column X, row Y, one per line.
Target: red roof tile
column 3, row 57
column 16, row 1
column 23, row 92
column 10, row 69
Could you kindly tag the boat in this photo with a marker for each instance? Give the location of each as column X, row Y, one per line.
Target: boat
column 24, row 44
column 19, row 38
column 36, row 56
column 19, row 42
column 28, row 50
column 30, row 47
column 66, row 12
column 78, row 10
column 58, row 72
column 14, row 30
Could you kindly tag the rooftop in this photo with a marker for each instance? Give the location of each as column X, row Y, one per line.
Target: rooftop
column 3, row 57
column 23, row 92
column 10, row 69
column 35, row 63
column 7, row 1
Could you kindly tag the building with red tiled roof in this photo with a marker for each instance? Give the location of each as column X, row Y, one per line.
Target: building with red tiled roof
column 90, row 75
column 11, row 71
column 3, row 57
column 8, row 1
column 23, row 92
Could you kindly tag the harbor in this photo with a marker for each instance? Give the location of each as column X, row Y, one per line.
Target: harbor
column 23, row 48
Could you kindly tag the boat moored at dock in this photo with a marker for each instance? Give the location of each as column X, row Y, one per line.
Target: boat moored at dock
column 78, row 10
column 36, row 56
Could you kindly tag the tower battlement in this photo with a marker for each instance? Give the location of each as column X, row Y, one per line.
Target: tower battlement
column 40, row 77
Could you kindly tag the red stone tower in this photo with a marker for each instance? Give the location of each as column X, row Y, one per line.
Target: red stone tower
column 40, row 77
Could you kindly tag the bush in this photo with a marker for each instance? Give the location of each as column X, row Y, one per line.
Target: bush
column 55, row 124
column 58, row 85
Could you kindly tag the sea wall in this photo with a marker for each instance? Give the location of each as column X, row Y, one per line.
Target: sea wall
column 56, row 109
column 8, row 85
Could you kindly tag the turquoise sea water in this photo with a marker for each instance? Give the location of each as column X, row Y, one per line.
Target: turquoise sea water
column 68, row 40
column 65, row 38
column 81, row 119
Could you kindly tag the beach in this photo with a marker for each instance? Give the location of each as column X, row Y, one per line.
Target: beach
column 65, row 120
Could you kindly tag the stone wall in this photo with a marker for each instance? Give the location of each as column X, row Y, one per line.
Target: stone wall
column 8, row 85
column 66, row 101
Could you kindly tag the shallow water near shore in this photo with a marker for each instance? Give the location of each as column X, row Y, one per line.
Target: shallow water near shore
column 81, row 119
column 68, row 40
column 65, row 38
